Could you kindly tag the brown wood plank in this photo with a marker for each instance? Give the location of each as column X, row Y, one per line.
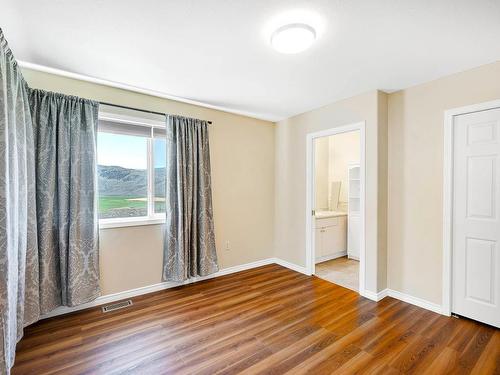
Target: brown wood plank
column 267, row 320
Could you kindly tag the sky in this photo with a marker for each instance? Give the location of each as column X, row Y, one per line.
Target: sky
column 128, row 151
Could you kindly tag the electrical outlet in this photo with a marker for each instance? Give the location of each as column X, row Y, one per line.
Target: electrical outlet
column 227, row 245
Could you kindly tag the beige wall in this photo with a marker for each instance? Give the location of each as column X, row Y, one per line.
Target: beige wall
column 242, row 157
column 344, row 149
column 383, row 170
column 404, row 150
column 291, row 170
column 415, row 205
column 259, row 173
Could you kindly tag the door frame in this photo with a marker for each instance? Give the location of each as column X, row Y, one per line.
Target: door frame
column 310, row 189
column 449, row 120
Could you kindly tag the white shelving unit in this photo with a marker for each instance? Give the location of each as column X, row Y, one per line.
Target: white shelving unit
column 354, row 217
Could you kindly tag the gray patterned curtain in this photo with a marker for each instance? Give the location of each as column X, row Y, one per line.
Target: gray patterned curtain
column 189, row 243
column 65, row 132
column 18, row 238
column 48, row 216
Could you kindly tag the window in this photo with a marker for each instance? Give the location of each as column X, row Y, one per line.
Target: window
column 131, row 160
column 159, row 174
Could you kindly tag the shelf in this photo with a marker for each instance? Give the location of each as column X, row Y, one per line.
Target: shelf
column 354, row 193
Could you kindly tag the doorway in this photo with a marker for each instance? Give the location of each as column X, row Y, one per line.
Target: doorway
column 335, row 221
column 472, row 207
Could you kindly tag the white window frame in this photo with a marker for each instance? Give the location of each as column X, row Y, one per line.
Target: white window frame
column 152, row 218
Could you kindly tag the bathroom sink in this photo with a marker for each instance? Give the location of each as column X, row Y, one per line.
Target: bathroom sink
column 326, row 214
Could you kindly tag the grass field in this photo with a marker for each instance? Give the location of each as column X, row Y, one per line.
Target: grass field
column 109, row 203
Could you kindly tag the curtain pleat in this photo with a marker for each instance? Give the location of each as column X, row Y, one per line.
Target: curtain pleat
column 48, row 203
column 189, row 241
column 19, row 288
column 65, row 129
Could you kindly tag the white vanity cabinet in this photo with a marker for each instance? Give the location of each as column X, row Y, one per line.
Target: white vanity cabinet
column 330, row 237
column 353, row 237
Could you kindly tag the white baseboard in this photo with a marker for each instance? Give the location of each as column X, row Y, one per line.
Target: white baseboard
column 291, row 266
column 338, row 254
column 374, row 296
column 155, row 288
column 226, row 271
column 403, row 297
column 415, row 301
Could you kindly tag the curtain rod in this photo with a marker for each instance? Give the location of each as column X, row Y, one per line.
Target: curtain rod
column 137, row 109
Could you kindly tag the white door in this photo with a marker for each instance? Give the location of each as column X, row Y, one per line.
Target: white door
column 476, row 216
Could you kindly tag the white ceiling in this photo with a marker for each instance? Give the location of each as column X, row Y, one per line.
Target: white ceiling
column 217, row 52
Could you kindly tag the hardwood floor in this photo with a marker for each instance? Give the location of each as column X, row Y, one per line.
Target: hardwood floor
column 265, row 320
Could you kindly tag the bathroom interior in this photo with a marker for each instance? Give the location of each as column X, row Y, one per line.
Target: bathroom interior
column 337, row 221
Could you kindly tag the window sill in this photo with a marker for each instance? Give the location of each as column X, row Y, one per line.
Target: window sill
column 130, row 222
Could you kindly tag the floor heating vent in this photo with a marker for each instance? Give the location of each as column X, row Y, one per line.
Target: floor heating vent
column 116, row 306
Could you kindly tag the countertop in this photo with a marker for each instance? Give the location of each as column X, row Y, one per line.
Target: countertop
column 328, row 214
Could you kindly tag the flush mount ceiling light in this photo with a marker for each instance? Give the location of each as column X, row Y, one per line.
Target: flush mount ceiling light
column 293, row 38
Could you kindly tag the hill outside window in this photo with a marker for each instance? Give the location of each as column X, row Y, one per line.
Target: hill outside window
column 131, row 160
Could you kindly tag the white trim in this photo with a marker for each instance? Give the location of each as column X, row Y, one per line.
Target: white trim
column 447, row 212
column 150, row 176
column 226, row 271
column 310, row 194
column 132, row 120
column 123, row 86
column 160, row 286
column 405, row 298
column 152, row 218
column 131, row 222
column 415, row 301
column 310, row 265
column 375, row 296
column 338, row 254
column 291, row 266
column 448, row 195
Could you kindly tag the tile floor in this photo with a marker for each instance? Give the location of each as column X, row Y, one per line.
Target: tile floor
column 341, row 271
